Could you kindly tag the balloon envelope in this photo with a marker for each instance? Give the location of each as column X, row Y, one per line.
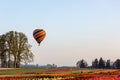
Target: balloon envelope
column 39, row 35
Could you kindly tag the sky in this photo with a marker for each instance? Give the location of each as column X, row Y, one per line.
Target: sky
column 75, row 29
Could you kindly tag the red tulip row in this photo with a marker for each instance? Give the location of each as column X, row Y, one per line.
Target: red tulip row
column 101, row 78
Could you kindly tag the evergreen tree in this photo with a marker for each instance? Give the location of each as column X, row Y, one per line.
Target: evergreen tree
column 95, row 63
column 108, row 66
column 117, row 64
column 101, row 63
column 82, row 64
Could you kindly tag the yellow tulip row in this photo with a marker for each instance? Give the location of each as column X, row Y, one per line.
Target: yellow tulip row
column 55, row 78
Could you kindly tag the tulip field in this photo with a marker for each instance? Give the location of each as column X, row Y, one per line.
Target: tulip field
column 58, row 74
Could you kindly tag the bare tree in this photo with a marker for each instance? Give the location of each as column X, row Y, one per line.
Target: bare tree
column 18, row 48
column 3, row 51
column 24, row 53
column 9, row 40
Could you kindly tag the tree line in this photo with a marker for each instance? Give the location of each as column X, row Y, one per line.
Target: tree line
column 14, row 49
column 99, row 64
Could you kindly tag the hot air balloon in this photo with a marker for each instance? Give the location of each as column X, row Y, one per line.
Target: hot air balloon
column 39, row 35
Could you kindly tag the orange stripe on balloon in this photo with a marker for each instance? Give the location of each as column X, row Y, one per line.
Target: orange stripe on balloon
column 39, row 34
column 40, row 39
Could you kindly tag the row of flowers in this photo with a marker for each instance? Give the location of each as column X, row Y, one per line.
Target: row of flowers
column 65, row 75
column 58, row 78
